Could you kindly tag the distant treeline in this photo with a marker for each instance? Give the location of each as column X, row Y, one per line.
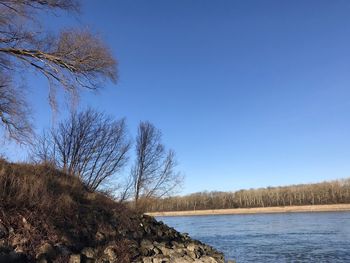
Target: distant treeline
column 332, row 192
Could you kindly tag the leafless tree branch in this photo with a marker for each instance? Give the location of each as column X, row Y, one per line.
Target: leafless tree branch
column 153, row 173
column 89, row 145
column 72, row 60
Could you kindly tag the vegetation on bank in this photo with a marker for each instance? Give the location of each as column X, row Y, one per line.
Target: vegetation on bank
column 39, row 205
column 49, row 216
column 95, row 148
column 333, row 192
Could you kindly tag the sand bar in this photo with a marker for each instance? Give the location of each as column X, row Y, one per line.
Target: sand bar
column 259, row 210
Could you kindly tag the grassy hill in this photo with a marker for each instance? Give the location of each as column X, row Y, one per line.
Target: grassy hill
column 47, row 216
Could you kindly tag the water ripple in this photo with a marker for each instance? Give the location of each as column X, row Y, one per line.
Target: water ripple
column 293, row 237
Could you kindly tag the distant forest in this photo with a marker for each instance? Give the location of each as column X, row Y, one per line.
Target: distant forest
column 332, row 192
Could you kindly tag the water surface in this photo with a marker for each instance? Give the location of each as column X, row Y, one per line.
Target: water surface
column 288, row 237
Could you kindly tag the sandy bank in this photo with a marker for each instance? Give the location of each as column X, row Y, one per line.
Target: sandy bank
column 259, row 210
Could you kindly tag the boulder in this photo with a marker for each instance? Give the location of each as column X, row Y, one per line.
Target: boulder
column 192, row 247
column 146, row 248
column 183, row 259
column 76, row 258
column 88, row 252
column 147, row 260
column 167, row 251
column 206, row 259
column 110, row 253
column 46, row 251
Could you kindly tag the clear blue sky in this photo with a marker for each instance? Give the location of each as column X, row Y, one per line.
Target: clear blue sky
column 248, row 93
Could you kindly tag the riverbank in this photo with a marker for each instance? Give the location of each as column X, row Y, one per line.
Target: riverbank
column 258, row 210
column 48, row 216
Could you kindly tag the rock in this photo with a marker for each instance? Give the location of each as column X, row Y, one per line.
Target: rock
column 156, row 250
column 100, row 236
column 183, row 259
column 169, row 246
column 137, row 235
column 62, row 249
column 46, row 251
column 159, row 232
column 88, row 252
column 191, row 254
column 147, row 260
column 167, row 251
column 147, row 229
column 3, row 244
column 147, row 247
column 177, row 244
column 134, row 249
column 3, row 231
column 76, row 258
column 110, row 253
column 42, row 260
column 65, row 239
column 180, row 250
column 199, row 252
column 161, row 259
column 146, row 243
column 205, row 259
column 89, row 260
column 191, row 247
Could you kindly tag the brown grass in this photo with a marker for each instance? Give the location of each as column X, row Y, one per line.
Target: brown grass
column 259, row 210
column 42, row 204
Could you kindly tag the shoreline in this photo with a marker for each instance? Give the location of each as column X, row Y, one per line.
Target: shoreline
column 258, row 210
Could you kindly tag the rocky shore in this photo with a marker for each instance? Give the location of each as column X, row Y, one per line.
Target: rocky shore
column 151, row 242
column 49, row 217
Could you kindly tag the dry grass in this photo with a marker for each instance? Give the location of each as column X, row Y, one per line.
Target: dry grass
column 38, row 186
column 42, row 204
column 258, row 210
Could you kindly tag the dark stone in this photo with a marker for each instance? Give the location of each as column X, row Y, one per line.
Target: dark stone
column 3, row 231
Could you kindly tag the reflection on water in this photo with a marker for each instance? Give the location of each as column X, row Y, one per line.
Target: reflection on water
column 289, row 237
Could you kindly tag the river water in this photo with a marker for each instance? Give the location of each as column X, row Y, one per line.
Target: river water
column 288, row 237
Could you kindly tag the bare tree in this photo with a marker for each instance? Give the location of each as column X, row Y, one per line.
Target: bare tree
column 71, row 60
column 124, row 191
column 331, row 192
column 13, row 111
column 153, row 173
column 89, row 145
